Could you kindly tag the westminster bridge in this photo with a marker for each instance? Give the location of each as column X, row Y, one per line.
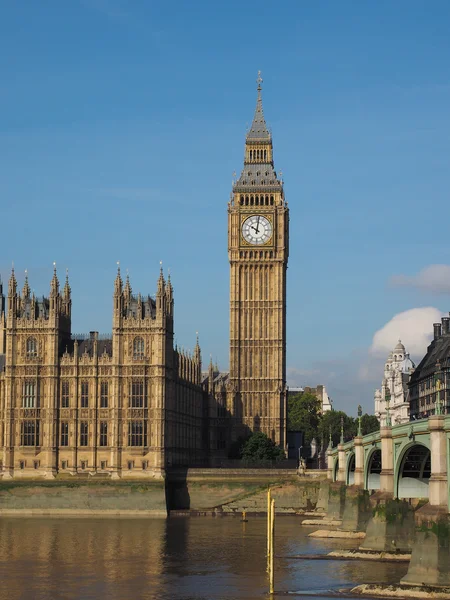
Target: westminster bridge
column 394, row 485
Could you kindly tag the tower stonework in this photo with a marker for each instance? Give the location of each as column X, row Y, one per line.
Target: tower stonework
column 258, row 248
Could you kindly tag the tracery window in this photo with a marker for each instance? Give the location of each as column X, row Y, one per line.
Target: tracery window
column 29, row 399
column 138, row 395
column 104, row 394
column 137, row 433
column 29, row 433
column 65, row 433
column 103, row 433
column 65, row 394
column 84, row 432
column 84, row 394
column 138, row 348
column 31, row 347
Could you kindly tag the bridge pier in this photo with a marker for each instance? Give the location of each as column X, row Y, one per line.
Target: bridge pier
column 391, row 527
column 341, row 459
column 430, row 556
column 359, row 462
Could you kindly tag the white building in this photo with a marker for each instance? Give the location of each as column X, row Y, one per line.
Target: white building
column 397, row 373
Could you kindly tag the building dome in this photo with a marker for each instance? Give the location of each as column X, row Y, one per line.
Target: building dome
column 399, row 348
column 407, row 364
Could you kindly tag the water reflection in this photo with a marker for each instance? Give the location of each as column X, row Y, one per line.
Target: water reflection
column 176, row 559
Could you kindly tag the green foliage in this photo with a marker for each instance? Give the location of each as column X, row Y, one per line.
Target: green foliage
column 303, row 414
column 331, row 420
column 369, row 424
column 260, row 447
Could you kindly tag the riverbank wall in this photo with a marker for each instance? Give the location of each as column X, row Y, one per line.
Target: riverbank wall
column 201, row 491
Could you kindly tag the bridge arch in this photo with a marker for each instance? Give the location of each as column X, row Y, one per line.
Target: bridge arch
column 350, row 470
column 372, row 470
column 413, row 471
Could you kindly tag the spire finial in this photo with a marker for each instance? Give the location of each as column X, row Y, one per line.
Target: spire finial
column 26, row 287
column 259, row 81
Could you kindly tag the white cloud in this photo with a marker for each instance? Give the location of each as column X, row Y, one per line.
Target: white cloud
column 414, row 327
column 352, row 379
column 434, row 278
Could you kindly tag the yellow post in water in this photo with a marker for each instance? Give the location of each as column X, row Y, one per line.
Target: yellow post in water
column 268, row 527
column 272, row 546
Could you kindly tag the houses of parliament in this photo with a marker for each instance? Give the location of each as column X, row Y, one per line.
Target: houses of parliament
column 131, row 404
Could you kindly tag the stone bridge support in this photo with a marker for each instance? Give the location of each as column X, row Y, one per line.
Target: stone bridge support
column 387, row 461
column 430, row 556
column 342, row 464
column 391, row 526
column 359, row 462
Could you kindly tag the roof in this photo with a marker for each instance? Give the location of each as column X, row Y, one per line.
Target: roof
column 258, row 132
column 257, row 177
column 86, row 346
column 438, row 350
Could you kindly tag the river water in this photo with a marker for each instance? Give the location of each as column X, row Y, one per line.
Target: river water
column 198, row 558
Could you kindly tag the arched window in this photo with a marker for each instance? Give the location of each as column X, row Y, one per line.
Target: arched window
column 138, row 348
column 251, row 154
column 31, row 347
column 265, row 154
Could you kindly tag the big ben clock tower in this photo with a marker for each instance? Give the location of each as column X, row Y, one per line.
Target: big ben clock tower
column 258, row 248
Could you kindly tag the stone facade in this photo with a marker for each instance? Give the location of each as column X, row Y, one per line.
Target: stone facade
column 125, row 405
column 319, row 391
column 394, row 388
column 258, row 248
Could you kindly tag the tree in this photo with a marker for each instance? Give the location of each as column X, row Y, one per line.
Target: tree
column 331, row 420
column 260, row 447
column 304, row 414
column 369, row 423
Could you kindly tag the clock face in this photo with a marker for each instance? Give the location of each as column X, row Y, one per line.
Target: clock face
column 257, row 230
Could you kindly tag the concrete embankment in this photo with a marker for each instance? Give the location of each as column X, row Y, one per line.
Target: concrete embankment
column 235, row 491
column 83, row 498
column 194, row 491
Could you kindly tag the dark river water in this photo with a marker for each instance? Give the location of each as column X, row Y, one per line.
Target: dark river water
column 197, row 558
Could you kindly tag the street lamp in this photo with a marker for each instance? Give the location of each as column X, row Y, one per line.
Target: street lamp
column 342, row 429
column 359, row 420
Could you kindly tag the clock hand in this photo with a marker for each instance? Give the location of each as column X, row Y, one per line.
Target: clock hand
column 257, row 225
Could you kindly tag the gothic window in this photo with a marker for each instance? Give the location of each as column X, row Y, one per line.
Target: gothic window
column 137, row 433
column 271, row 200
column 84, row 394
column 138, row 348
column 265, row 154
column 138, row 397
column 29, row 395
column 64, row 434
column 103, row 433
column 251, row 154
column 65, row 394
column 31, row 347
column 104, row 394
column 84, row 431
column 30, row 433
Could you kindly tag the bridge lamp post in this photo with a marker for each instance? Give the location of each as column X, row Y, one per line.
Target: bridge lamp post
column 359, row 420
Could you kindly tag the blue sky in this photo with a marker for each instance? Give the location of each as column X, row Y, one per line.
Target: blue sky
column 121, row 123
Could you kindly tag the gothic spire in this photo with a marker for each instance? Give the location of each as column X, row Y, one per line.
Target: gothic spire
column 26, row 288
column 67, row 289
column 54, row 285
column 118, row 281
column 161, row 282
column 127, row 289
column 258, row 132
column 12, row 286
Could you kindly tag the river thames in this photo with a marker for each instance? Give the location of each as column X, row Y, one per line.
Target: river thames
column 198, row 558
